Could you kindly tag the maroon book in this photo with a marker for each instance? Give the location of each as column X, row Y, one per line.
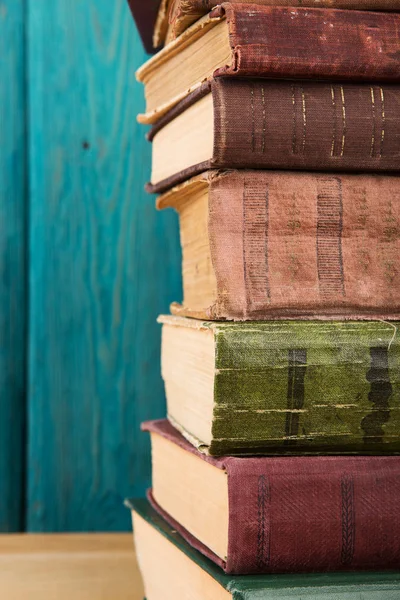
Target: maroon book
column 145, row 14
column 299, row 514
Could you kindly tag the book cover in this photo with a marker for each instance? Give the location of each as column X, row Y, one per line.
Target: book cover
column 178, row 15
column 289, row 386
column 304, row 514
column 305, row 125
column 286, row 244
column 318, row 586
column 275, row 43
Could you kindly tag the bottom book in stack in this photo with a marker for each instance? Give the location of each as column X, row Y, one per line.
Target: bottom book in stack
column 173, row 570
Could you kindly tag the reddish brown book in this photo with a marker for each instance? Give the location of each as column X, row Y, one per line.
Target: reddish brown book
column 278, row 125
column 268, row 244
column 145, row 14
column 245, row 40
column 279, row 514
column 262, row 124
column 177, row 15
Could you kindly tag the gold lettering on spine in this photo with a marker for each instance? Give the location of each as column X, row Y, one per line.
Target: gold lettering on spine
column 294, row 140
column 303, row 104
column 373, row 123
column 334, row 121
column 383, row 121
column 344, row 120
column 253, row 123
column 264, row 119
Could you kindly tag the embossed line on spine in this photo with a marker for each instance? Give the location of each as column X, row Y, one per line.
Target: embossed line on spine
column 348, row 520
column 299, row 135
column 264, row 119
column 297, row 367
column 255, row 237
column 263, row 523
column 329, row 237
column 373, row 136
column 383, row 121
column 343, row 120
column 304, row 114
column 294, row 136
column 253, row 120
column 379, row 395
column 333, row 98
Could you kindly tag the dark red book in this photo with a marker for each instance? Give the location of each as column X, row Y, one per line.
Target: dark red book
column 245, row 40
column 145, row 14
column 279, row 514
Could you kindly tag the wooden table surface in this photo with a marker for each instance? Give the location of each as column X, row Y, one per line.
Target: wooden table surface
column 73, row 567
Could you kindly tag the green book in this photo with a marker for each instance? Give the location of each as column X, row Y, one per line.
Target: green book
column 172, row 569
column 284, row 386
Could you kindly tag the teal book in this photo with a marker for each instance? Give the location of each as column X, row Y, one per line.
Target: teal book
column 173, row 570
column 286, row 387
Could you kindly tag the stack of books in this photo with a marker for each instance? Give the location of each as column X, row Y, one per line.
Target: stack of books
column 276, row 137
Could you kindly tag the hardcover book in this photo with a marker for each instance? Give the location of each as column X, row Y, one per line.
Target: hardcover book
column 265, row 244
column 246, row 40
column 262, row 124
column 145, row 13
column 172, row 569
column 283, row 386
column 279, row 514
column 177, row 15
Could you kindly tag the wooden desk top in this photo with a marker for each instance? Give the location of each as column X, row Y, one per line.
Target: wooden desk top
column 69, row 567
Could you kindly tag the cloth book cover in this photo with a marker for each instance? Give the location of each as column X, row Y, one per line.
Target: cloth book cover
column 286, row 244
column 335, row 586
column 299, row 386
column 178, row 15
column 286, row 43
column 304, row 513
column 306, row 125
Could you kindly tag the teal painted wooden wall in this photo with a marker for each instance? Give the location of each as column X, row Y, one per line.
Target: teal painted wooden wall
column 12, row 263
column 102, row 264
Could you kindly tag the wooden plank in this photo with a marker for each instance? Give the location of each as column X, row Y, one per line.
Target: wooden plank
column 61, row 567
column 103, row 264
column 12, row 269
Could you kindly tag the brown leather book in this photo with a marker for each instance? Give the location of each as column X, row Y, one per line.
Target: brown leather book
column 246, row 40
column 177, row 15
column 304, row 125
column 263, row 245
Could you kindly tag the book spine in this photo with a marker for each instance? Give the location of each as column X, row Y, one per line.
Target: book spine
column 310, row 42
column 285, row 244
column 306, row 125
column 313, row 514
column 184, row 13
column 298, row 387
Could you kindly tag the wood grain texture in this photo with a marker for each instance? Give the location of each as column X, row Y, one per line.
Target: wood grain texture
column 60, row 567
column 12, row 254
column 103, row 265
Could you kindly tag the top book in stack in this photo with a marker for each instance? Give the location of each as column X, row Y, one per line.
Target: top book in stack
column 174, row 16
column 248, row 40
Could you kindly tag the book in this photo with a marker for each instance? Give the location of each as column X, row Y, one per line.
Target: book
column 177, row 15
column 301, row 513
column 245, row 40
column 283, row 386
column 259, row 124
column 172, row 569
column 270, row 244
column 145, row 13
